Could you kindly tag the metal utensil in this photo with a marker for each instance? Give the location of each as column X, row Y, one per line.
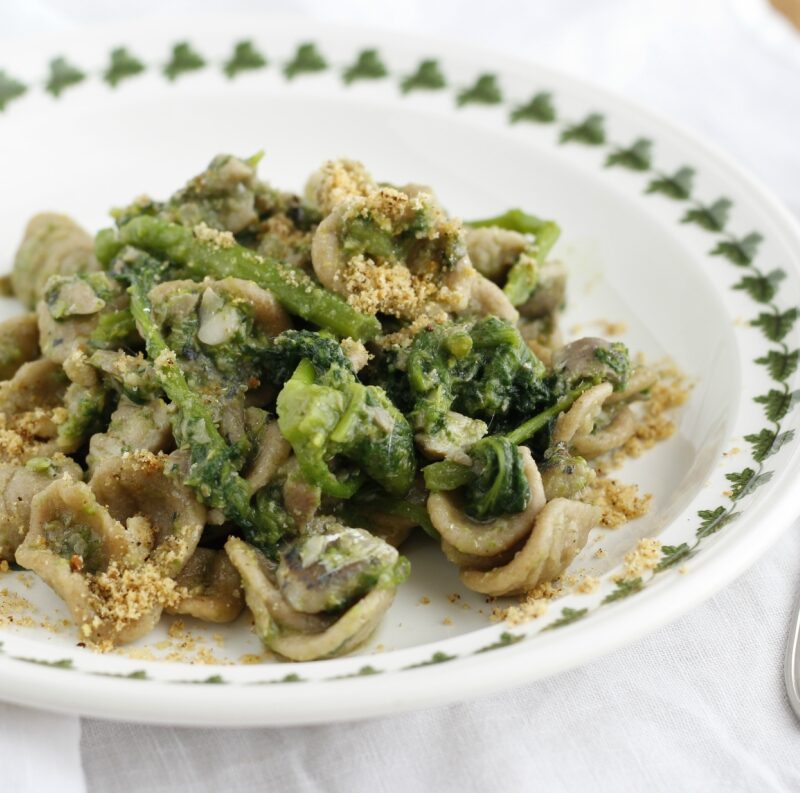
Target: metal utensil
column 791, row 665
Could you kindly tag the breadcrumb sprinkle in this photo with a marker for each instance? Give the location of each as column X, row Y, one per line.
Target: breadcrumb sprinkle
column 619, row 502
column 122, row 596
column 222, row 239
column 670, row 391
column 642, row 559
column 386, row 288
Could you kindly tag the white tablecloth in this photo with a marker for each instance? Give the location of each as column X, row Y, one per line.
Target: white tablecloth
column 698, row 705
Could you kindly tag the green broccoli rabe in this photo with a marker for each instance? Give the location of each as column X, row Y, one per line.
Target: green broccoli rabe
column 496, row 478
column 523, row 276
column 214, row 336
column 331, row 416
column 86, row 406
column 522, row 279
column 274, row 522
column 212, row 470
column 282, row 354
column 114, row 330
column 295, row 290
column 500, row 485
column 484, row 370
column 494, row 481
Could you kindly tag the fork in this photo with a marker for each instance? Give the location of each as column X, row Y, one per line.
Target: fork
column 791, row 666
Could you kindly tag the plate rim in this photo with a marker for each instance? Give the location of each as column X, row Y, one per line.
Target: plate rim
column 570, row 646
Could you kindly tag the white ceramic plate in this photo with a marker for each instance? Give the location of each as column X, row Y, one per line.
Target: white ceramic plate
column 659, row 231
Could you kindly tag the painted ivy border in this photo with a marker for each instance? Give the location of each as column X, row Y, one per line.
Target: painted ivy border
column 762, row 286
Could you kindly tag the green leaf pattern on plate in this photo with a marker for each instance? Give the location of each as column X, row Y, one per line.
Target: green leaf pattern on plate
column 245, row 58
column 540, row 109
column 62, row 76
column 591, row 131
column 485, row 91
column 678, row 186
column 428, row 77
column 10, row 89
column 306, row 60
column 636, row 157
column 184, row 59
column 123, row 65
column 368, row 66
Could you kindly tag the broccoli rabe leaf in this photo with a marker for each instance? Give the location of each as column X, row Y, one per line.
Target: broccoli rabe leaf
column 494, row 484
column 617, row 359
column 500, row 486
column 329, row 416
column 483, row 369
column 274, row 522
column 212, row 467
column 283, row 353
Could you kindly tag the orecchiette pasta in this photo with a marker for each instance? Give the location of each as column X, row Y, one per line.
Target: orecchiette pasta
column 241, row 396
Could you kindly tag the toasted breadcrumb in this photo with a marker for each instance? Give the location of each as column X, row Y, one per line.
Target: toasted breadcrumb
column 121, row 596
column 619, row 502
column 534, row 604
column 670, row 391
column 18, row 612
column 222, row 239
column 530, row 609
column 4, row 568
column 642, row 559
column 587, row 584
column 251, row 658
column 385, row 288
column 337, row 180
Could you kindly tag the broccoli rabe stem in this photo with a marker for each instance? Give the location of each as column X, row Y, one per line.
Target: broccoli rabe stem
column 529, row 428
column 546, row 232
column 448, row 475
column 298, row 293
column 212, row 474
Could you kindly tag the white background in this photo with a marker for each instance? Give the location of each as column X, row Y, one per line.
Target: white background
column 698, row 705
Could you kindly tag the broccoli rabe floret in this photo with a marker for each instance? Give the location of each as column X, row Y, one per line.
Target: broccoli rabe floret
column 328, row 416
column 274, row 522
column 483, row 369
column 283, row 353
